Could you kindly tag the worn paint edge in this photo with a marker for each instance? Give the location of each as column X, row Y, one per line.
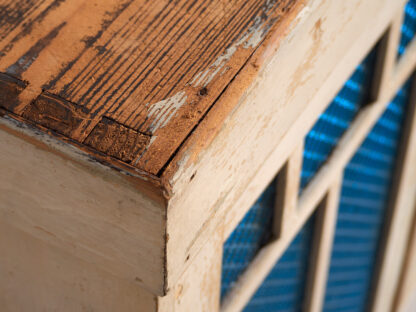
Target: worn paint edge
column 197, row 140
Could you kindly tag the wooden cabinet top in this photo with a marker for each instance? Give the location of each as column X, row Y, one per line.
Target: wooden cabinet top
column 130, row 80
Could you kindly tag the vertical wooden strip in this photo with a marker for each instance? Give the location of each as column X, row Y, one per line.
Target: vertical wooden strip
column 325, row 223
column 199, row 287
column 387, row 57
column 288, row 181
column 406, row 292
column 402, row 207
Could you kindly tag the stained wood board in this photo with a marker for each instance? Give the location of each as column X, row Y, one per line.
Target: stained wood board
column 131, row 78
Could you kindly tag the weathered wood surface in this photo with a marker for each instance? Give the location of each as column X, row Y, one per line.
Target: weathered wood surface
column 38, row 277
column 126, row 82
column 130, row 78
column 61, row 196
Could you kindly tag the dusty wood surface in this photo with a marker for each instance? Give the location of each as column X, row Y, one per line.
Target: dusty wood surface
column 130, row 78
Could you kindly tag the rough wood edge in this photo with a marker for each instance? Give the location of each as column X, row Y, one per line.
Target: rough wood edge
column 199, row 288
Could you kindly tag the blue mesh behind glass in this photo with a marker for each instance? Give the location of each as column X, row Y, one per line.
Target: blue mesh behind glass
column 330, row 126
column 363, row 202
column 283, row 289
column 408, row 27
column 249, row 236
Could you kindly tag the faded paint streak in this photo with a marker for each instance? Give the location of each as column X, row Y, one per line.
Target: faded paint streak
column 162, row 112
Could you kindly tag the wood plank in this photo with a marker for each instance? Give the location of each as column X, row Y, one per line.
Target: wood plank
column 260, row 130
column 324, row 231
column 60, row 195
column 36, row 276
column 153, row 67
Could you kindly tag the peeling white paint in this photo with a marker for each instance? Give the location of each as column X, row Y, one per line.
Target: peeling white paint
column 304, row 12
column 250, row 39
column 162, row 112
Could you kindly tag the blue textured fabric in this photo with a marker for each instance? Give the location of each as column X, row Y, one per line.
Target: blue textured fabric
column 363, row 201
column 283, row 289
column 252, row 233
column 408, row 27
column 331, row 125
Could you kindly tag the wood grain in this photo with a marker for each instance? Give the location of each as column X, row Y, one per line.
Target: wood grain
column 153, row 67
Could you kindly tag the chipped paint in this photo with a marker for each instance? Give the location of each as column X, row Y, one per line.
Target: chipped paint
column 162, row 112
column 250, row 39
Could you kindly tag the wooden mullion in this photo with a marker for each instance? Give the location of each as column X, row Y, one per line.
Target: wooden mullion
column 387, row 57
column 264, row 262
column 355, row 135
column 325, row 222
column 287, row 190
column 406, row 291
column 405, row 66
column 402, row 205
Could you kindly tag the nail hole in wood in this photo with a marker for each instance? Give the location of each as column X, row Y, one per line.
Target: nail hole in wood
column 203, row 91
